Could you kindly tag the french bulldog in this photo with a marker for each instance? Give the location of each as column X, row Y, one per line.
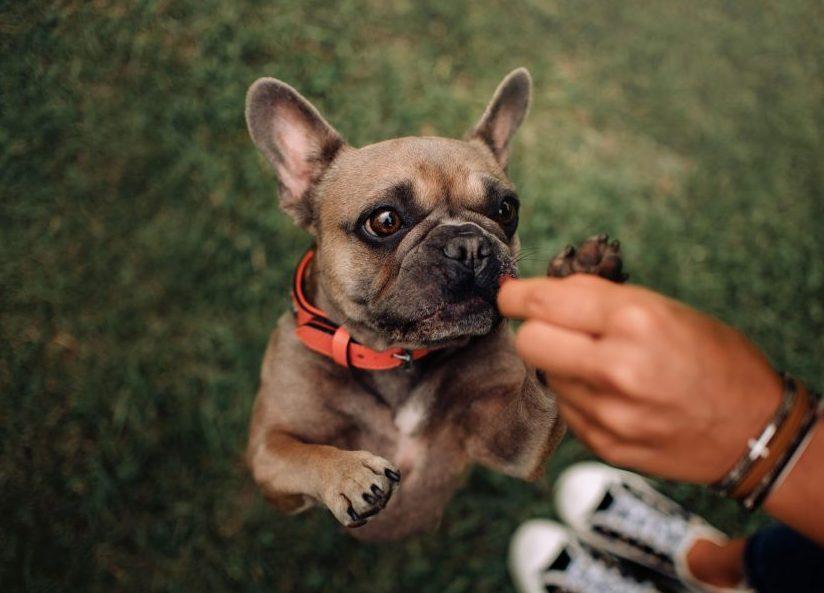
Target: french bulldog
column 412, row 238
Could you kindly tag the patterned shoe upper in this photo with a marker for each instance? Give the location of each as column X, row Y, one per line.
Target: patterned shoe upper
column 654, row 526
column 580, row 569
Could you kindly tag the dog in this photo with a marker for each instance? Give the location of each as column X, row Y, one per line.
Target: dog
column 396, row 364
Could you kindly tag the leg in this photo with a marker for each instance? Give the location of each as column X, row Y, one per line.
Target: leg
column 720, row 565
column 597, row 255
column 513, row 432
column 355, row 485
column 778, row 559
column 773, row 560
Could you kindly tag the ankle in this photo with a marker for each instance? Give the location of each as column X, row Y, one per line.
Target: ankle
column 720, row 565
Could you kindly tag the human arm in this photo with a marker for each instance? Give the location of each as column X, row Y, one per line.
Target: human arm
column 654, row 385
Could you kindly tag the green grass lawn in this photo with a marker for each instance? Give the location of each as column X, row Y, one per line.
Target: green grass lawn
column 143, row 260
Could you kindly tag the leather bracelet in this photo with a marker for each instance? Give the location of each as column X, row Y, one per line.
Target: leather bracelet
column 786, row 462
column 758, row 448
column 785, row 434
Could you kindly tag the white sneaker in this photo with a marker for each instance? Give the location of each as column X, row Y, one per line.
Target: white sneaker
column 619, row 512
column 544, row 557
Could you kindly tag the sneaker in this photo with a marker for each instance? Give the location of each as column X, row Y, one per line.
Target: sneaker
column 621, row 513
column 544, row 557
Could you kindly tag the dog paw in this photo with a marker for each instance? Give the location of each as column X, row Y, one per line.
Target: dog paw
column 597, row 255
column 360, row 488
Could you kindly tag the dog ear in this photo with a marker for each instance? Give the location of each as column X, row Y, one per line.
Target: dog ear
column 295, row 139
column 504, row 114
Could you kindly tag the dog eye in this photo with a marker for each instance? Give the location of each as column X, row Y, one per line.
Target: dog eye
column 507, row 211
column 383, row 222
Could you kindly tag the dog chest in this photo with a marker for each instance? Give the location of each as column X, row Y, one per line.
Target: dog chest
column 410, row 416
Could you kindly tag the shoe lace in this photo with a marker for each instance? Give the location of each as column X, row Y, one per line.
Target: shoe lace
column 643, row 522
column 590, row 573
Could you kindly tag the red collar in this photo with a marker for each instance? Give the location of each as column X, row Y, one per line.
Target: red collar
column 320, row 334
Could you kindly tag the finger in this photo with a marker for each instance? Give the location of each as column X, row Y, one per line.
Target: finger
column 579, row 303
column 560, row 352
column 626, row 422
column 578, row 422
column 598, row 408
column 572, row 392
column 602, row 442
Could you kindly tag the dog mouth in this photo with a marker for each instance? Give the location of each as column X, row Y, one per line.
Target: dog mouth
column 444, row 322
column 450, row 311
column 437, row 304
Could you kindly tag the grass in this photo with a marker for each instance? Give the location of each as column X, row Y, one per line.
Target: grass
column 143, row 260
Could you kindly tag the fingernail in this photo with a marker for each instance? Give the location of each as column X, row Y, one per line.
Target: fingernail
column 352, row 514
column 376, row 490
column 392, row 475
column 369, row 498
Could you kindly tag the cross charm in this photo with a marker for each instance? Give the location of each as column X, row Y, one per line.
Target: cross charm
column 759, row 448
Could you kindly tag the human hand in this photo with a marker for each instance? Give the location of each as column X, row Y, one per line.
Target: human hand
column 645, row 381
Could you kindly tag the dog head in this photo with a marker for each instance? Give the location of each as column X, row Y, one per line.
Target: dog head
column 413, row 234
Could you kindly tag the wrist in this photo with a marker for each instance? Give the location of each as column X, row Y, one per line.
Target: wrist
column 754, row 402
column 772, row 452
column 796, row 500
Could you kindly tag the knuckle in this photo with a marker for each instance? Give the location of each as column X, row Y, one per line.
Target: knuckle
column 536, row 302
column 602, row 443
column 623, row 424
column 635, row 319
column 631, row 370
column 526, row 337
column 625, row 377
column 612, row 455
column 616, row 419
column 525, row 334
column 603, row 416
column 348, row 485
column 602, row 374
column 605, row 445
column 652, row 428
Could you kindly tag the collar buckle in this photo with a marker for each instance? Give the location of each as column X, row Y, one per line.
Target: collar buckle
column 405, row 356
column 322, row 335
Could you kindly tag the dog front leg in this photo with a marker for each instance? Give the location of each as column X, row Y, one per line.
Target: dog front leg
column 514, row 433
column 354, row 485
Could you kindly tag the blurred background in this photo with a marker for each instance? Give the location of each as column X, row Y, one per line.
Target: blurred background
column 143, row 260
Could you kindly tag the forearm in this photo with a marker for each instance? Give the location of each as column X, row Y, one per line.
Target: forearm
column 653, row 385
column 799, row 500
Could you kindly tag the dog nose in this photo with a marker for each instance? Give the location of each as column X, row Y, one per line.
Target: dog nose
column 470, row 249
